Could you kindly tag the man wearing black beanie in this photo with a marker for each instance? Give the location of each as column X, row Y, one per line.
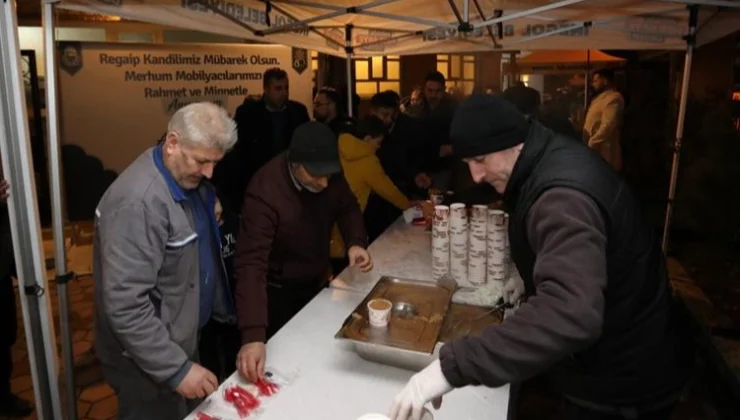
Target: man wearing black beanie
column 600, row 318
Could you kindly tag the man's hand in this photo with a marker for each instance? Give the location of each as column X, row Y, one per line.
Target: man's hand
column 360, row 258
column 428, row 385
column 4, row 191
column 513, row 288
column 445, row 150
column 250, row 362
column 423, row 180
column 199, row 382
column 427, row 208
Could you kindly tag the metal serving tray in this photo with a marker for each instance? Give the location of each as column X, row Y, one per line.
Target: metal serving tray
column 410, row 340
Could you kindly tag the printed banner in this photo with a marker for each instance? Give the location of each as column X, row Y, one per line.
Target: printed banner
column 116, row 99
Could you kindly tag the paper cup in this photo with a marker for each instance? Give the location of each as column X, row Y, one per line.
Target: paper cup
column 497, row 217
column 480, row 212
column 379, row 311
column 441, row 213
column 458, row 211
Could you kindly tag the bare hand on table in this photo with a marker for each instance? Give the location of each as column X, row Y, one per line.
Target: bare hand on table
column 360, row 258
column 427, row 208
column 199, row 382
column 250, row 362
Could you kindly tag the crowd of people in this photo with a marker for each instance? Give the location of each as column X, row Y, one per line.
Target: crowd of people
column 194, row 276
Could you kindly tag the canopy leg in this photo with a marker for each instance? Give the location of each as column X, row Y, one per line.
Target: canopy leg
column 690, row 44
column 55, row 175
column 350, row 81
column 15, row 149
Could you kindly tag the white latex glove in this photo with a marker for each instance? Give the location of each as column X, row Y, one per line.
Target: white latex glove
column 425, row 386
column 513, row 288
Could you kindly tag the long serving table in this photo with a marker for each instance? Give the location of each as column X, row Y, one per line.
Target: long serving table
column 330, row 381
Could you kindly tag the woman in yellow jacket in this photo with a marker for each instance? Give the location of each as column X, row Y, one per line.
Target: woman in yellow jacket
column 364, row 174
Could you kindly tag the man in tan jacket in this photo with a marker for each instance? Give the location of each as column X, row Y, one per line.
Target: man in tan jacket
column 603, row 125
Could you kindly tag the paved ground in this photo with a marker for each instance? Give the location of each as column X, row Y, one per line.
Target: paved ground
column 95, row 398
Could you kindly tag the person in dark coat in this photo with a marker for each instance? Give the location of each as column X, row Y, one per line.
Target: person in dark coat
column 399, row 155
column 10, row 405
column 328, row 109
column 599, row 318
column 527, row 101
column 282, row 251
column 435, row 112
column 265, row 127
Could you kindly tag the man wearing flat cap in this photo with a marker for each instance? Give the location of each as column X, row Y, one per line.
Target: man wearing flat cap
column 599, row 319
column 282, row 250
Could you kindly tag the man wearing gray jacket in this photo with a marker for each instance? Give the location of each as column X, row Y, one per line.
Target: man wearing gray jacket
column 158, row 273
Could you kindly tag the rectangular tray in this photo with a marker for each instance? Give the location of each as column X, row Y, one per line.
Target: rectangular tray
column 418, row 333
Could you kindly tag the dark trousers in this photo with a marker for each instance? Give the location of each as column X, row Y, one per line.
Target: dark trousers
column 139, row 398
column 8, row 332
column 286, row 299
column 572, row 411
column 218, row 347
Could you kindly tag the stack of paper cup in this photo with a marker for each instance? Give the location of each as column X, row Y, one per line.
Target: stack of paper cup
column 477, row 245
column 441, row 242
column 459, row 244
column 496, row 246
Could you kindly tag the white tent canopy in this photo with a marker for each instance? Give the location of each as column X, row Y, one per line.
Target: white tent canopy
column 339, row 27
column 394, row 27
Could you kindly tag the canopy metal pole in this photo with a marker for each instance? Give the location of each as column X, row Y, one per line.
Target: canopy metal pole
column 15, row 148
column 350, row 82
column 60, row 258
column 466, row 11
column 410, row 19
column 529, row 12
column 587, row 80
column 690, row 44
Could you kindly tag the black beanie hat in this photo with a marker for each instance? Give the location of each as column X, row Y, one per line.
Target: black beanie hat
column 486, row 124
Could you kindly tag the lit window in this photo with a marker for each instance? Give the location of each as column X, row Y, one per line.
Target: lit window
column 394, row 86
column 442, row 67
column 362, row 70
column 455, row 67
column 366, row 89
column 468, row 71
column 377, row 74
column 394, row 69
column 378, row 67
column 458, row 70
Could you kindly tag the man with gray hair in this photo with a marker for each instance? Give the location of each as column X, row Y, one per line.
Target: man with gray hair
column 159, row 276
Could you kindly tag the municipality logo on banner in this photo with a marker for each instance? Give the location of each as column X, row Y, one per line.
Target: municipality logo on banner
column 299, row 58
column 70, row 57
